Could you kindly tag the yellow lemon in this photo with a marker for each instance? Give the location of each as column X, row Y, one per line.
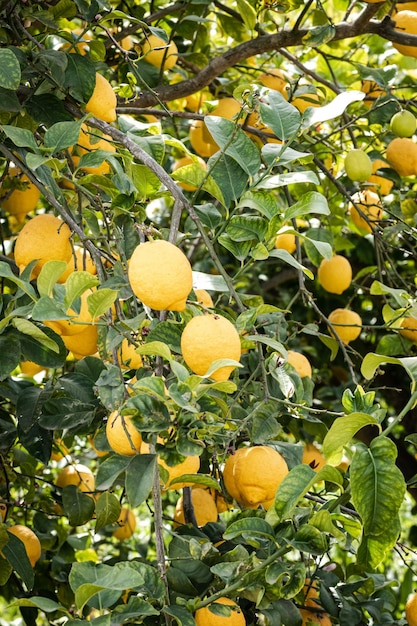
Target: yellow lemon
column 365, row 209
column 122, row 435
column 102, row 103
column 190, row 465
column 313, row 457
column 21, row 198
column 127, row 524
column 204, row 298
column 80, row 260
column 207, row 338
column 401, row 154
column 205, row 509
column 84, row 343
column 160, row 275
column 158, row 52
column 347, row 324
column 29, row 368
column 406, row 22
column 205, row 617
column 335, row 274
column 373, row 91
column 274, row 78
column 79, row 475
column 45, row 238
column 89, row 142
column 30, row 541
column 187, row 160
column 286, row 241
column 411, row 610
column 383, row 185
column 409, row 328
column 300, row 363
column 306, row 100
column 314, row 618
column 129, row 358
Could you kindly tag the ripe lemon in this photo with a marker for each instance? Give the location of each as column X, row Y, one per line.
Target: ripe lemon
column 80, row 260
column 160, row 275
column 201, row 140
column 306, row 100
column 254, row 475
column 18, row 200
column 384, row 185
column 311, row 592
column 405, row 6
column 79, row 320
column 335, row 274
column 80, row 45
column 286, row 241
column 82, row 344
column 315, row 618
column 44, row 237
column 129, row 358
column 187, row 160
column 59, row 450
column 313, row 457
column 79, row 475
column 190, row 465
column 204, row 298
column 30, row 541
column 156, row 51
column 358, row 165
column 275, row 79
column 207, row 338
column 127, row 524
column 403, row 124
column 373, row 91
column 300, row 363
column 405, row 22
column 346, row 323
column 401, row 154
column 368, row 203
column 89, row 142
column 411, row 610
column 409, row 328
column 205, row 617
column 205, row 509
column 122, row 435
column 102, row 103
column 29, row 368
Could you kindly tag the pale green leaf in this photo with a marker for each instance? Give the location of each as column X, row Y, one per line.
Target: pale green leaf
column 247, row 13
column 49, row 275
column 100, row 301
column 29, row 328
column 285, row 256
column 155, row 348
column 212, row 282
column 310, row 202
column 290, row 178
column 372, row 361
column 76, row 284
column 341, row 433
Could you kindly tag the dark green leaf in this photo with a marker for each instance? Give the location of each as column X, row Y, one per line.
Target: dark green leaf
column 235, row 143
column 80, row 77
column 280, row 116
column 246, row 228
column 78, row 506
column 10, row 69
column 140, row 477
column 62, row 135
column 107, row 510
column 248, row 527
column 21, row 137
column 10, row 353
column 110, row 469
column 15, row 553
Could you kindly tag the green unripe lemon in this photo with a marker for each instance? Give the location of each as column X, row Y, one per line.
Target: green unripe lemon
column 358, row 165
column 403, row 124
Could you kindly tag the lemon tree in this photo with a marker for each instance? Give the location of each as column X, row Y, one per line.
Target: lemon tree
column 208, row 313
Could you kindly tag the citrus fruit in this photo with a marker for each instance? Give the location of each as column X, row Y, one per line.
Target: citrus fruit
column 311, row 592
column 409, row 328
column 275, row 79
column 187, row 160
column 286, row 241
column 30, row 541
column 158, row 52
column 190, row 465
column 160, row 275
column 313, row 457
column 79, row 319
column 405, row 22
column 102, row 103
column 80, row 260
column 365, row 209
column 205, row 617
column 373, row 91
column 405, row 6
column 81, row 38
column 207, row 338
column 205, row 509
column 201, row 140
column 59, row 450
column 127, row 524
column 89, row 142
column 411, row 610
column 122, row 435
column 305, row 100
column 358, row 165
column 401, row 154
column 204, row 298
column 129, row 358
column 383, row 185
column 254, row 475
column 346, row 323
column 403, row 124
column 335, row 274
column 315, row 618
column 29, row 368
column 18, row 195
column 79, row 475
column 300, row 363
column 84, row 343
column 45, row 238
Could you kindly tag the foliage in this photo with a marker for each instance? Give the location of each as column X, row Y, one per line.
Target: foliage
column 275, row 167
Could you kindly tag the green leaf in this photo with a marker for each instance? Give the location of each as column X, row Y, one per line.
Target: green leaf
column 290, row 178
column 341, row 433
column 378, row 486
column 247, row 13
column 47, row 308
column 400, row 296
column 212, row 282
column 10, row 353
column 155, row 348
column 100, row 301
column 21, row 137
column 263, row 201
column 180, row 614
column 62, row 135
column 249, row 527
column 85, row 593
column 76, row 284
column 107, row 510
column 283, row 118
column 335, row 108
column 294, row 486
column 139, row 478
column 15, row 553
column 310, row 202
column 77, row 505
column 241, row 149
column 49, row 275
column 44, row 604
column 10, row 74
column 240, row 250
column 310, row 540
column 247, row 228
column 110, row 469
column 285, row 256
column 26, row 287
column 229, row 176
column 372, row 361
column 29, row 328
